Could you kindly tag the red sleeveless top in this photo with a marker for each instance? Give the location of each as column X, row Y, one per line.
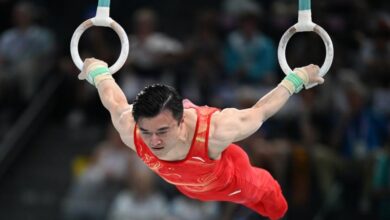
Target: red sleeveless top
column 231, row 178
column 197, row 172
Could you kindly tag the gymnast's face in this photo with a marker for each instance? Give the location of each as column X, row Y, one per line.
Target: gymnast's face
column 160, row 133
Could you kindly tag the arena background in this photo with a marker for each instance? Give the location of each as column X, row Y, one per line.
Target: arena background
column 329, row 147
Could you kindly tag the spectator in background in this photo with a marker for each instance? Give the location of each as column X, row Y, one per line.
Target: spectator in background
column 203, row 52
column 183, row 208
column 361, row 130
column 23, row 49
column 231, row 9
column 250, row 55
column 314, row 165
column 381, row 182
column 140, row 200
column 359, row 135
column 375, row 53
column 152, row 53
column 93, row 190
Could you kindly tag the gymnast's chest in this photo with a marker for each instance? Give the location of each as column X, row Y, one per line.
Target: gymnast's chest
column 189, row 169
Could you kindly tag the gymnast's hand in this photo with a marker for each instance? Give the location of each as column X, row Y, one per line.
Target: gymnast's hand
column 309, row 74
column 92, row 69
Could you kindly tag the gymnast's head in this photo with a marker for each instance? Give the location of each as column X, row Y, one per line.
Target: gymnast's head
column 155, row 99
column 158, row 111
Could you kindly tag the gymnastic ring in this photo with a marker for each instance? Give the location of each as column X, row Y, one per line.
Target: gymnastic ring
column 103, row 19
column 305, row 24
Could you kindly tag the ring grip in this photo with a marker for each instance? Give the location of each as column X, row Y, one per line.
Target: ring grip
column 105, row 21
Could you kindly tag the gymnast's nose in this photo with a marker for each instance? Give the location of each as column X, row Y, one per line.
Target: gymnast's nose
column 155, row 140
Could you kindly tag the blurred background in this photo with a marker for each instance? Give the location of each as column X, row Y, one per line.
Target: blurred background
column 329, row 147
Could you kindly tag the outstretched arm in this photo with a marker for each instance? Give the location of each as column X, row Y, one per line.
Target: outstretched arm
column 232, row 125
column 112, row 97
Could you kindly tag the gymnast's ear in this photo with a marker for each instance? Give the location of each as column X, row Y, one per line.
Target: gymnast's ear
column 181, row 122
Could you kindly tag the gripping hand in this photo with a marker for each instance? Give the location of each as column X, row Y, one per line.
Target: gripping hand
column 95, row 71
column 300, row 77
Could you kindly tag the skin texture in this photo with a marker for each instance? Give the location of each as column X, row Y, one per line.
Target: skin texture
column 170, row 139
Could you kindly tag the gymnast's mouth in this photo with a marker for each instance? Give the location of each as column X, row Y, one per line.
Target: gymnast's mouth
column 157, row 148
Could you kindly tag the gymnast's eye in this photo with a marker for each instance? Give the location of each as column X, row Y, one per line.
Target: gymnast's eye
column 146, row 133
column 160, row 133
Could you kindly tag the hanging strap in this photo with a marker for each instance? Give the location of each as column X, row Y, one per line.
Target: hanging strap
column 304, row 5
column 104, row 3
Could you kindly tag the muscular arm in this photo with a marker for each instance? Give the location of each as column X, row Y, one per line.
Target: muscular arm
column 116, row 103
column 232, row 125
column 112, row 98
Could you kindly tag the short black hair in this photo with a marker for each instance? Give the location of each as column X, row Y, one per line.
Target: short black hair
column 154, row 99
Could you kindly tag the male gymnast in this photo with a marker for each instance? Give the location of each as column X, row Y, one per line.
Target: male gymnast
column 192, row 146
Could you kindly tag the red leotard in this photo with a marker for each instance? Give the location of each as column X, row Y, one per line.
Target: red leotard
column 231, row 178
